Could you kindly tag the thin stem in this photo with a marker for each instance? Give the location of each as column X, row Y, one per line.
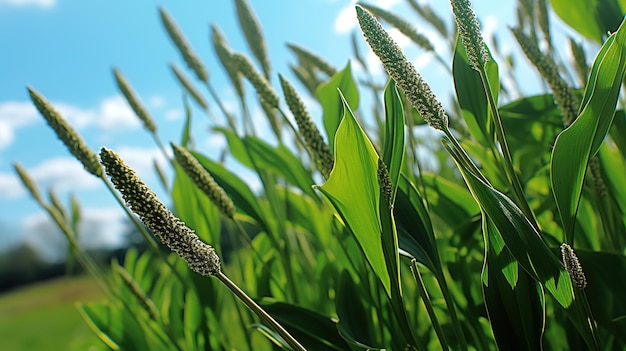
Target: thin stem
column 427, row 303
column 259, row 311
column 518, row 191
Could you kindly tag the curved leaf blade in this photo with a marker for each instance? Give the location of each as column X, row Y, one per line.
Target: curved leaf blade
column 353, row 190
column 581, row 140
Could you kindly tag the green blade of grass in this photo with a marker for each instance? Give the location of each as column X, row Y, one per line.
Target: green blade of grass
column 581, row 140
column 529, row 249
column 353, row 190
column 471, row 96
column 393, row 142
column 331, row 103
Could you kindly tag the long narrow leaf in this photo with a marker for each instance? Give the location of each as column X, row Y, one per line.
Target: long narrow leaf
column 581, row 140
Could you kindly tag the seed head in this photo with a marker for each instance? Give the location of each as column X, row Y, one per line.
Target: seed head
column 312, row 136
column 183, row 47
column 402, row 71
column 563, row 94
column 313, row 59
column 384, row 181
column 469, row 30
column 28, row 182
column 252, row 31
column 203, row 180
column 572, row 266
column 403, row 26
column 133, row 101
column 180, row 76
column 260, row 83
column 170, row 230
column 224, row 54
column 67, row 134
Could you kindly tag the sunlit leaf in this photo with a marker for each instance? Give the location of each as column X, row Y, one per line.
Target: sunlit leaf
column 353, row 190
column 581, row 140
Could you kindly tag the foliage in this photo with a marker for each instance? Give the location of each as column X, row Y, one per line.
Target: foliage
column 379, row 253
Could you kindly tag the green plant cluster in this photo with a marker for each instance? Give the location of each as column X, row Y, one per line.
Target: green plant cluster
column 350, row 244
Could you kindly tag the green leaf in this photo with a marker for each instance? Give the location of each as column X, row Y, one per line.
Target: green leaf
column 471, row 95
column 415, row 232
column 581, row 140
column 591, row 18
column 355, row 324
column 100, row 320
column 514, row 304
column 393, row 142
column 282, row 162
column 332, row 104
column 528, row 248
column 238, row 191
column 313, row 330
column 353, row 190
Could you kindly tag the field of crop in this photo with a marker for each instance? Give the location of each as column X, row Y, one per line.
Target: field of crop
column 43, row 316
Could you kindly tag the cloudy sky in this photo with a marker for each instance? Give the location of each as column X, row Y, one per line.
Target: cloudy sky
column 66, row 49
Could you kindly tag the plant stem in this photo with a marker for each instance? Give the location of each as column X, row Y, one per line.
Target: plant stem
column 429, row 307
column 265, row 317
column 518, row 191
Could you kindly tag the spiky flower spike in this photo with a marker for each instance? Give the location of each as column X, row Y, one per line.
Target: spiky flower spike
column 313, row 59
column 28, row 182
column 203, row 180
column 170, row 230
column 133, row 101
column 572, row 266
column 563, row 94
column 403, row 26
column 180, row 76
column 402, row 71
column 183, row 47
column 67, row 134
column 469, row 30
column 252, row 31
column 263, row 87
column 312, row 136
column 224, row 54
column 384, row 181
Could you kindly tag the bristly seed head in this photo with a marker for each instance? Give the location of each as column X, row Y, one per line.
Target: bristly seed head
column 572, row 266
column 384, row 181
column 402, row 71
column 133, row 101
column 203, row 180
column 469, row 30
column 170, row 230
column 312, row 136
column 183, row 47
column 261, row 84
column 67, row 134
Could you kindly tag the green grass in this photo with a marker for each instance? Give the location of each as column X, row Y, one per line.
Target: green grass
column 43, row 316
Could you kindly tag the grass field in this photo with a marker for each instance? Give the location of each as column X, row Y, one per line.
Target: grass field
column 43, row 316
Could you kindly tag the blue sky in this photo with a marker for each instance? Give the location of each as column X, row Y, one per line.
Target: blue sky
column 65, row 49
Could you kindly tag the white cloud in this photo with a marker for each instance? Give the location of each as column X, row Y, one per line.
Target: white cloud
column 346, row 20
column 14, row 115
column 39, row 3
column 63, row 173
column 141, row 159
column 10, row 186
column 112, row 113
column 174, row 114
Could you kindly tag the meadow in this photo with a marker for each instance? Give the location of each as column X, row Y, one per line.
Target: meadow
column 516, row 242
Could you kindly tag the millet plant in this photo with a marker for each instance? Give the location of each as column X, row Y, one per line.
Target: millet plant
column 516, row 243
